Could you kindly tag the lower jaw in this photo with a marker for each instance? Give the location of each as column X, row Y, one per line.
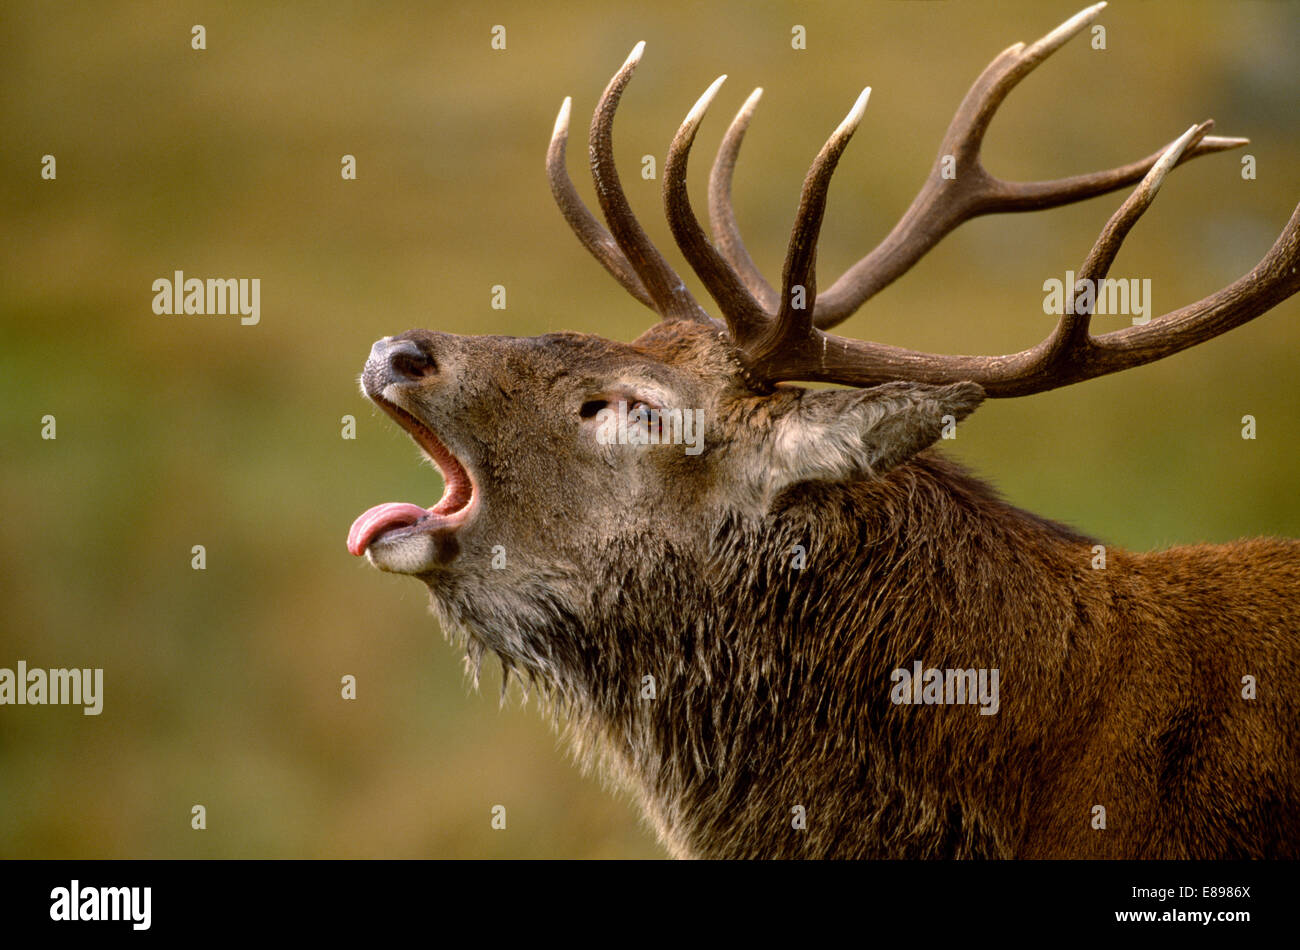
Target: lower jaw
column 415, row 553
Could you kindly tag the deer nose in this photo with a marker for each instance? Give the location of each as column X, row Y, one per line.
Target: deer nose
column 402, row 360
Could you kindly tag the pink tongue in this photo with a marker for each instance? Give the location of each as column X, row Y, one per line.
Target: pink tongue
column 381, row 518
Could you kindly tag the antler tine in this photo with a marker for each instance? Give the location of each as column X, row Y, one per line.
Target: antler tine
column 595, row 237
column 722, row 216
column 745, row 318
column 945, row 202
column 801, row 255
column 1072, row 331
column 1069, row 347
column 666, row 290
column 1041, row 195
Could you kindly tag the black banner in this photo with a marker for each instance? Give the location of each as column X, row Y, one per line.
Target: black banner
column 135, row 899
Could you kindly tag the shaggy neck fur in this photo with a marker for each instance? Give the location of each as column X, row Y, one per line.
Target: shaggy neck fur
column 771, row 684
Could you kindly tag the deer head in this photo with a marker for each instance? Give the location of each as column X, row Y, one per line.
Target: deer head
column 575, row 559
column 511, row 423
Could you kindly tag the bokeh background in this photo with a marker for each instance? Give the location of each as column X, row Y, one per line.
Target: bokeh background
column 222, row 687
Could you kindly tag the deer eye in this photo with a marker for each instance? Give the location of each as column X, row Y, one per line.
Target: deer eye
column 636, row 408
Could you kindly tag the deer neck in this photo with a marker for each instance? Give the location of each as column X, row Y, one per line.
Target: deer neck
column 727, row 682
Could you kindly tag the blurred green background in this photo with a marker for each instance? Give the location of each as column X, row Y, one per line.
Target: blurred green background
column 222, row 686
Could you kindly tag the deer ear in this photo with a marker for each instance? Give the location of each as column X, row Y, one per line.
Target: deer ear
column 839, row 434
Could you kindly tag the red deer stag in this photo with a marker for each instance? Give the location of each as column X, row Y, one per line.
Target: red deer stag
column 805, row 635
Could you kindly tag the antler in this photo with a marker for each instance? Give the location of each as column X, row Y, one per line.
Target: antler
column 781, row 336
column 627, row 253
column 946, row 200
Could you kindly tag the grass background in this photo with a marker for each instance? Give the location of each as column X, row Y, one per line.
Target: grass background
column 222, row 686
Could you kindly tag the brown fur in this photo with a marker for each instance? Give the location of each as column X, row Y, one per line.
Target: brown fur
column 1120, row 687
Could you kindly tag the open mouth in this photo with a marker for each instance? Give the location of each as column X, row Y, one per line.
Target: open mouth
column 393, row 521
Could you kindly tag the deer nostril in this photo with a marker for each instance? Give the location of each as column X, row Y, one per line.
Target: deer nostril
column 408, row 361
